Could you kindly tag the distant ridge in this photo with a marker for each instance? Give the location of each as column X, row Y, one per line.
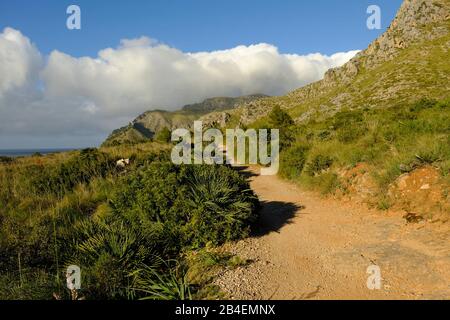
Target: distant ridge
column 221, row 103
column 146, row 125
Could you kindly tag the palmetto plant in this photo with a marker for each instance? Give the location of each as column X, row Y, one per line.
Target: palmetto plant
column 114, row 237
column 195, row 204
column 166, row 280
column 222, row 204
column 108, row 251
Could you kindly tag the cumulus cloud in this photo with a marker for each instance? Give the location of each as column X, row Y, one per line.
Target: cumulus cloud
column 87, row 97
column 19, row 61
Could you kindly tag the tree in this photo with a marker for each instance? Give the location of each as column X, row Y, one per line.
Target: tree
column 279, row 119
column 164, row 135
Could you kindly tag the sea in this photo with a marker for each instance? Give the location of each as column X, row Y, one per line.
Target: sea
column 28, row 152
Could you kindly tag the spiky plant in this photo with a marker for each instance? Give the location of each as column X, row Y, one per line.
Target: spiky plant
column 166, row 280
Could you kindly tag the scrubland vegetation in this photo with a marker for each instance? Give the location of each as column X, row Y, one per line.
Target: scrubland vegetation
column 390, row 141
column 149, row 231
column 130, row 230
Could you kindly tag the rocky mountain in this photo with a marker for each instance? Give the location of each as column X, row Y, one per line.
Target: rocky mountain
column 411, row 60
column 145, row 126
column 221, row 103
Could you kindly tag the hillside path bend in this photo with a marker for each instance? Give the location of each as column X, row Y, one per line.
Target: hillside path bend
column 310, row 247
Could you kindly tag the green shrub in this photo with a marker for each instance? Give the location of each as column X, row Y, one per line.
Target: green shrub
column 318, row 164
column 328, row 183
column 292, row 161
column 196, row 204
column 347, row 118
column 351, row 133
column 384, row 203
column 168, row 281
column 423, row 104
column 107, row 251
column 35, row 284
column 443, row 104
column 349, row 125
column 324, row 135
column 221, row 204
column 165, row 135
column 63, row 177
column 428, row 156
column 158, row 211
column 279, row 118
column 6, row 160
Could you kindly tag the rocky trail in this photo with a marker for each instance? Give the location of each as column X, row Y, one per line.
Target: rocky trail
column 308, row 247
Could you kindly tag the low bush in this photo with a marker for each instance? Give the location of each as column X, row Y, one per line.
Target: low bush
column 200, row 204
column 292, row 161
column 281, row 120
column 318, row 164
column 423, row 104
column 349, row 125
column 328, row 183
column 6, row 160
column 165, row 135
column 63, row 177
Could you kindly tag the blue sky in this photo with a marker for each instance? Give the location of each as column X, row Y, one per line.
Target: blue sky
column 294, row 26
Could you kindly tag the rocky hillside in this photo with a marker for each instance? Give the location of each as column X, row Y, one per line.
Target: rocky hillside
column 145, row 126
column 408, row 62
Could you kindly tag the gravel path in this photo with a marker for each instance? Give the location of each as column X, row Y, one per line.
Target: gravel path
column 307, row 247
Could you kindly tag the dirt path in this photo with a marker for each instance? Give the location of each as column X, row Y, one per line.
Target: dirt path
column 308, row 247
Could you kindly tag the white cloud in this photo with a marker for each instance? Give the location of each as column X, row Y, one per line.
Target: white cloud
column 19, row 61
column 90, row 96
